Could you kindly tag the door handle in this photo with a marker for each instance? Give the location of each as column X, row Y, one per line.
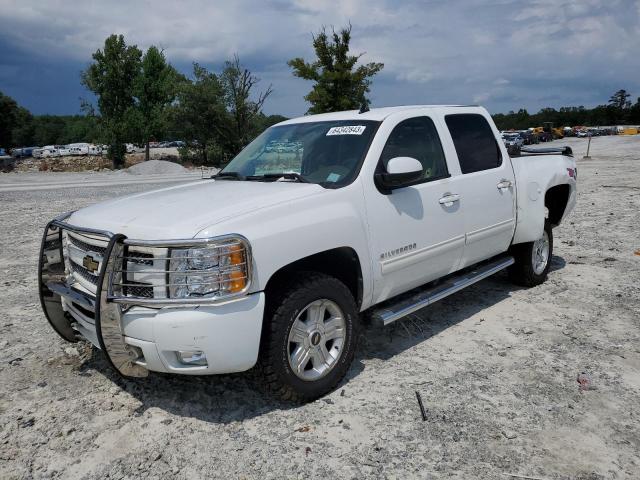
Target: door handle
column 504, row 184
column 448, row 199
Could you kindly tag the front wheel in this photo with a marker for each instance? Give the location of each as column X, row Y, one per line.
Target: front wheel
column 532, row 260
column 310, row 338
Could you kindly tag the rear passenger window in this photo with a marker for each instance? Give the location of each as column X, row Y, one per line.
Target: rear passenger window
column 417, row 138
column 475, row 142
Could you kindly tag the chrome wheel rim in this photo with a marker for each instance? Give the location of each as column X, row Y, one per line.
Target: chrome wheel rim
column 316, row 339
column 540, row 253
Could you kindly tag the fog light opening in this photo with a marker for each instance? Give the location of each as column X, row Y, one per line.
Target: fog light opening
column 192, row 358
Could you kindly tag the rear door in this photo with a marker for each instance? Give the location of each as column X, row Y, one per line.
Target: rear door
column 487, row 186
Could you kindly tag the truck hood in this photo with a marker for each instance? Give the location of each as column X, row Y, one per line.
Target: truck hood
column 184, row 210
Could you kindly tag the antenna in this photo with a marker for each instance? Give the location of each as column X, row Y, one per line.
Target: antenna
column 364, row 107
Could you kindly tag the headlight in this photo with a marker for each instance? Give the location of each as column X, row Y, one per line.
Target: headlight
column 215, row 270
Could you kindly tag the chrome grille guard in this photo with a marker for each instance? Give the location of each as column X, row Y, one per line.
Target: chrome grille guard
column 109, row 302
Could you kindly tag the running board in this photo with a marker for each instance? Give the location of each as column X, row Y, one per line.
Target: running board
column 405, row 306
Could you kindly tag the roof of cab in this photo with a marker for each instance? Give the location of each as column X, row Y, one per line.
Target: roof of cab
column 376, row 114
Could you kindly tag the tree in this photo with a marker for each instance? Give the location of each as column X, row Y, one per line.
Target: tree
column 201, row 114
column 620, row 100
column 8, row 115
column 339, row 84
column 238, row 83
column 155, row 91
column 111, row 78
column 23, row 131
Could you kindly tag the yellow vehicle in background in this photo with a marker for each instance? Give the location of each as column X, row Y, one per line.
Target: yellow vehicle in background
column 556, row 132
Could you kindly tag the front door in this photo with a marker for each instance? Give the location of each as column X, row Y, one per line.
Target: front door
column 417, row 232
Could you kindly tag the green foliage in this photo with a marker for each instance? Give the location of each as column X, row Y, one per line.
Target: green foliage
column 338, row 83
column 112, row 78
column 217, row 115
column 203, row 119
column 238, row 83
column 155, row 90
column 24, row 129
column 19, row 128
column 618, row 111
column 620, row 100
column 8, row 115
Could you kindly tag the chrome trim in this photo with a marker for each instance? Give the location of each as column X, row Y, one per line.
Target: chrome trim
column 73, row 295
column 55, row 289
column 109, row 320
column 171, row 243
column 405, row 306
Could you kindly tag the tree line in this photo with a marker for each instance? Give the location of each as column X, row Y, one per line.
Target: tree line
column 617, row 111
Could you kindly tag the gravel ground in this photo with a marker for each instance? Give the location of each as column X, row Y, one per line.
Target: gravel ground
column 496, row 367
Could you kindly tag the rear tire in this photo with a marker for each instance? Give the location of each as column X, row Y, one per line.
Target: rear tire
column 309, row 337
column 532, row 260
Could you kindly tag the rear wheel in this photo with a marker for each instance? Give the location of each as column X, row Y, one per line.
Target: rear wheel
column 532, row 260
column 310, row 338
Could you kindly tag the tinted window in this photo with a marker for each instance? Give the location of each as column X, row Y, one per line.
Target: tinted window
column 475, row 143
column 417, row 138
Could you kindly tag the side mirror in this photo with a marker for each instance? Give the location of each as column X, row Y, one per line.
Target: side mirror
column 401, row 172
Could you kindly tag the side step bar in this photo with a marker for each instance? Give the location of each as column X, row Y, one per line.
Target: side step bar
column 406, row 305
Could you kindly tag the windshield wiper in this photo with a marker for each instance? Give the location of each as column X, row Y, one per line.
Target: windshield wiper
column 275, row 176
column 228, row 175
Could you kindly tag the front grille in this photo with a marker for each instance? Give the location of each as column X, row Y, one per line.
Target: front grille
column 87, row 247
column 52, row 244
column 135, row 268
column 140, row 258
column 83, row 272
column 138, row 289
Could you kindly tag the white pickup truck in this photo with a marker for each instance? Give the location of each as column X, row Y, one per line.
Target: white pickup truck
column 321, row 221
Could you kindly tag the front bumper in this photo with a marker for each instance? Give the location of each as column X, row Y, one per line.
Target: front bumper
column 135, row 336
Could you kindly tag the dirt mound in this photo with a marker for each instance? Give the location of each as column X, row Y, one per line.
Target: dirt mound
column 155, row 167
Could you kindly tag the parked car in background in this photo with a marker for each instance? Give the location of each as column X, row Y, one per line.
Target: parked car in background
column 528, row 137
column 23, row 152
column 63, row 150
column 78, row 148
column 513, row 140
column 7, row 162
column 49, row 151
column 545, row 136
column 95, row 150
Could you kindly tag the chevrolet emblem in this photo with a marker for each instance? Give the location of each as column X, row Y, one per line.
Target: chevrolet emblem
column 90, row 264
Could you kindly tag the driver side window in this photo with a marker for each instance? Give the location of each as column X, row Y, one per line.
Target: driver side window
column 417, row 138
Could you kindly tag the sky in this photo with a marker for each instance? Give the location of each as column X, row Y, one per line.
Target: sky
column 503, row 54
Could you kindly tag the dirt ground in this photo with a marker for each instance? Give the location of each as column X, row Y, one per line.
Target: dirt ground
column 496, row 367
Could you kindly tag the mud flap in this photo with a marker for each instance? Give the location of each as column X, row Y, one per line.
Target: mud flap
column 51, row 269
column 108, row 319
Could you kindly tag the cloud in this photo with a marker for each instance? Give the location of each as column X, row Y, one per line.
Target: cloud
column 551, row 53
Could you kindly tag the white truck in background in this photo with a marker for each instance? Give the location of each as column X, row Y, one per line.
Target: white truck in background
column 320, row 221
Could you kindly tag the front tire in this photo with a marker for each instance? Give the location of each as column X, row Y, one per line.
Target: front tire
column 309, row 337
column 532, row 260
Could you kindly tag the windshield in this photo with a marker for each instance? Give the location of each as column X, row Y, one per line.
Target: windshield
column 326, row 153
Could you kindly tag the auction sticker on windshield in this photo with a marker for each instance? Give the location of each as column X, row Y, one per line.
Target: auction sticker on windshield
column 346, row 130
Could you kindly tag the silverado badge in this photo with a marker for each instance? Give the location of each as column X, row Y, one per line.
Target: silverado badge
column 90, row 264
